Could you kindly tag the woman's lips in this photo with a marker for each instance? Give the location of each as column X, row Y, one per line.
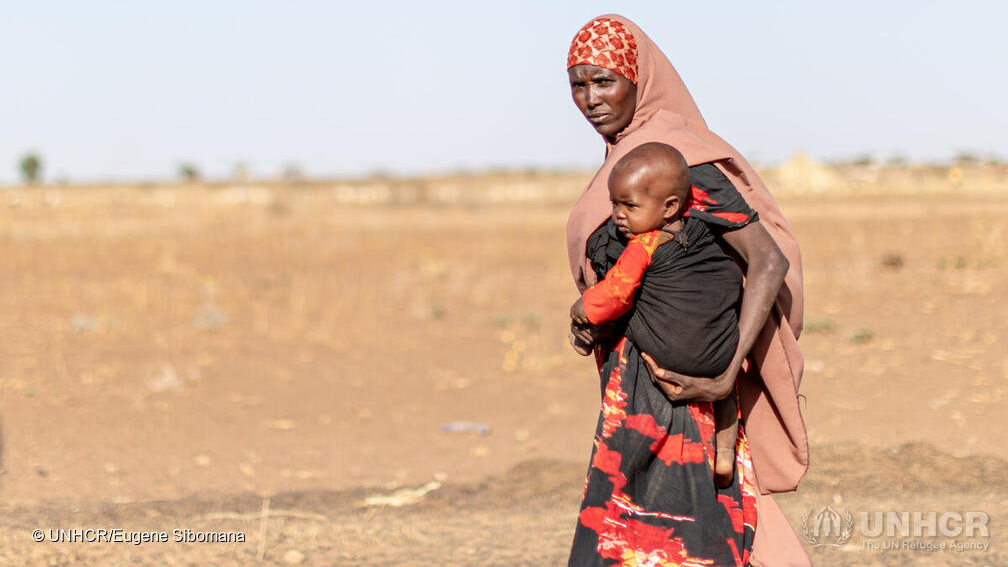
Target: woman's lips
column 598, row 118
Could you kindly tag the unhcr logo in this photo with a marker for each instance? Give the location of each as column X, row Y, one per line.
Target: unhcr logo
column 828, row 527
column 922, row 531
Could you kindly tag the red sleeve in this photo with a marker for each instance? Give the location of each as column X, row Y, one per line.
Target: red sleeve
column 612, row 297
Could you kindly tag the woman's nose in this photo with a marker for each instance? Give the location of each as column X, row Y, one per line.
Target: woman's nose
column 591, row 97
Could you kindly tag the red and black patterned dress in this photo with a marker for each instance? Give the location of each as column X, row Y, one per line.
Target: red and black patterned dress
column 650, row 497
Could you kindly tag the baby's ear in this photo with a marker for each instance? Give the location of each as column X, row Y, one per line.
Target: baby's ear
column 671, row 206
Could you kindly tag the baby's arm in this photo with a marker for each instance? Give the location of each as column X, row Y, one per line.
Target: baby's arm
column 612, row 297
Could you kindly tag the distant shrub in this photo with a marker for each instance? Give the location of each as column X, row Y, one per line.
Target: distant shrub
column 957, row 262
column 189, row 172
column 824, row 326
column 892, row 261
column 862, row 336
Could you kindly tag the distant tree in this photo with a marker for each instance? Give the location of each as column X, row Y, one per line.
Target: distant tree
column 292, row 172
column 897, row 160
column 189, row 172
column 860, row 160
column 241, row 172
column 31, row 168
column 967, row 158
column 379, row 173
column 863, row 160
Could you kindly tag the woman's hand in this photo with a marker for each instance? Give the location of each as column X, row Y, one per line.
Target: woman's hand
column 682, row 388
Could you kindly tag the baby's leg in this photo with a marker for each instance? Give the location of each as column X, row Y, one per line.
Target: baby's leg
column 725, row 436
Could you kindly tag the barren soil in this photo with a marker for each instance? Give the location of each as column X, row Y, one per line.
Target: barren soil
column 188, row 363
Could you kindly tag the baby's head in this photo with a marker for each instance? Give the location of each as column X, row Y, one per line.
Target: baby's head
column 649, row 188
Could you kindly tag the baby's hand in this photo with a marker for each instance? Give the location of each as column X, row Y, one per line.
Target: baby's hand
column 578, row 344
column 577, row 312
column 579, row 322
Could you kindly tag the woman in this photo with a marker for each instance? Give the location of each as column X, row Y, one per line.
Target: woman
column 649, row 494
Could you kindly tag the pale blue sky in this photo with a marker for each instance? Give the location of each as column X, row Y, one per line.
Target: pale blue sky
column 127, row 90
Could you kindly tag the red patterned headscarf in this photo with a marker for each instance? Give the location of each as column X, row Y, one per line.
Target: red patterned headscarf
column 607, row 43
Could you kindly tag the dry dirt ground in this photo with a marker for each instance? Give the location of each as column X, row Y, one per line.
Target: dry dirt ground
column 171, row 360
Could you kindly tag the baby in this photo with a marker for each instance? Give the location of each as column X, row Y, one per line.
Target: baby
column 687, row 289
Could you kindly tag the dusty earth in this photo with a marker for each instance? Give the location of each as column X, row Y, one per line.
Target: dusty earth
column 172, row 360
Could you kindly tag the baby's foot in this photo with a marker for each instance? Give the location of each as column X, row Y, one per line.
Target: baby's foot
column 724, row 467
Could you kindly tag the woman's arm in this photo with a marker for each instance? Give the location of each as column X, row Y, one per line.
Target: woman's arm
column 766, row 266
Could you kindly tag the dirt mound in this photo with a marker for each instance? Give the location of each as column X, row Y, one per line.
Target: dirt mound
column 910, row 467
column 523, row 517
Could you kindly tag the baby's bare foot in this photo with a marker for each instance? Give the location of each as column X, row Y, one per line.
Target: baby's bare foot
column 724, row 467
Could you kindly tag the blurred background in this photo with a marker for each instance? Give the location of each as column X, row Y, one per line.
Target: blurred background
column 298, row 269
column 115, row 91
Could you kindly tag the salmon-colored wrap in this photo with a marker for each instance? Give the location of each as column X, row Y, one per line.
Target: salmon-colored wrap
column 768, row 387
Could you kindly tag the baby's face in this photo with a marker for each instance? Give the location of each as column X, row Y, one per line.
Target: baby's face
column 634, row 210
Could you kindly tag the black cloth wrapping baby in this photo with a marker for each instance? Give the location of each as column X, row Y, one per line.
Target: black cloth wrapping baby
column 685, row 312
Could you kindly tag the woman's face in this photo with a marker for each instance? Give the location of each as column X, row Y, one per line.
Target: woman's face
column 606, row 98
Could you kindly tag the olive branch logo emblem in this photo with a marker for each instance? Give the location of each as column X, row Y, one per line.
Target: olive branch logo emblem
column 828, row 527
